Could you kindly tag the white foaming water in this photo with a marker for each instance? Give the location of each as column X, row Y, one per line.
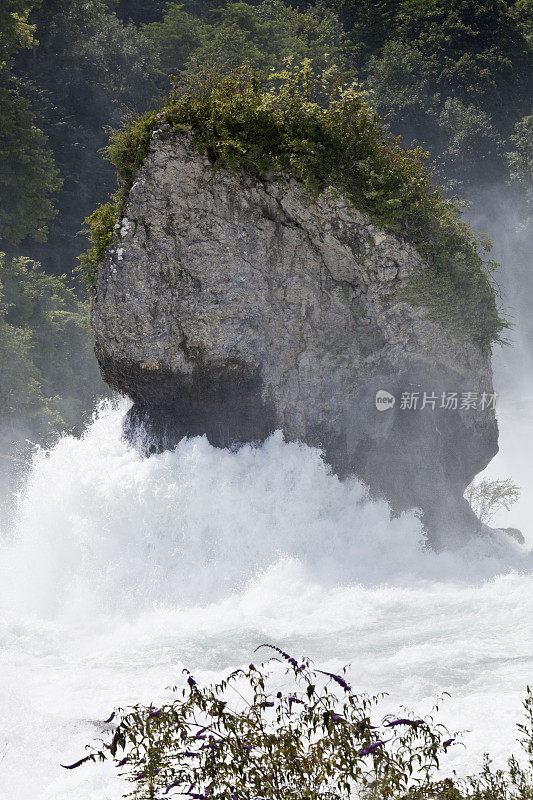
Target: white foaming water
column 122, row 570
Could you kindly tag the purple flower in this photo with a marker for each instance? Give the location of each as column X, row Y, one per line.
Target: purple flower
column 122, row 762
column 110, row 718
column 78, row 763
column 338, row 679
column 171, row 786
column 155, row 714
column 413, row 722
column 292, row 661
column 338, row 718
column 447, row 743
column 365, row 751
column 295, row 700
column 191, row 681
column 279, row 695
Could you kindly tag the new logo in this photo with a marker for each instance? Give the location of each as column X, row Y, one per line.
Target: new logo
column 384, row 400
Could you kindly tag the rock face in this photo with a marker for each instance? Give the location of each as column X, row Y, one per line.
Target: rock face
column 233, row 307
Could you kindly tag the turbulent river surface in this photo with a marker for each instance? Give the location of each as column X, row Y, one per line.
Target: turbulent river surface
column 121, row 570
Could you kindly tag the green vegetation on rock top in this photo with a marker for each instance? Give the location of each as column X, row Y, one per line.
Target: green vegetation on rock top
column 309, row 126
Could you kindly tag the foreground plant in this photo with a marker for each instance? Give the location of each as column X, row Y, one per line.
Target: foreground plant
column 313, row 739
column 247, row 738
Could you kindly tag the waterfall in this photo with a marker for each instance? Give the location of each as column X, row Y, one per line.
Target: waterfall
column 123, row 569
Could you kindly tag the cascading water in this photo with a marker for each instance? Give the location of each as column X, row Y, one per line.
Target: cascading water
column 122, row 570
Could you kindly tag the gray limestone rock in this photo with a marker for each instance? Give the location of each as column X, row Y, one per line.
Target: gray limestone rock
column 233, row 306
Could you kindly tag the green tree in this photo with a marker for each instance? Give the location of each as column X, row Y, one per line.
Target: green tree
column 402, row 92
column 523, row 11
column 260, row 36
column 140, row 11
column 174, row 39
column 474, row 49
column 15, row 29
column 368, row 23
column 28, row 176
column 520, row 159
column 20, row 390
column 453, row 77
column 469, row 144
column 48, row 375
column 88, row 73
column 487, row 497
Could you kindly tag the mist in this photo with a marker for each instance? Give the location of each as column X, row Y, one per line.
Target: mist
column 499, row 212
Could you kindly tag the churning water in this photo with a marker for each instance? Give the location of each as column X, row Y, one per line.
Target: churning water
column 121, row 570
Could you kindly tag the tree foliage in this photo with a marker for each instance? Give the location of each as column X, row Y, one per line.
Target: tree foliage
column 473, row 48
column 88, row 73
column 257, row 734
column 238, row 33
column 15, row 28
column 488, row 497
column 448, row 66
column 520, row 158
column 48, row 375
column 89, row 68
column 28, row 177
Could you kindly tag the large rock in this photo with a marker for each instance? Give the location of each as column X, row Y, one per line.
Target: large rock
column 233, row 307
